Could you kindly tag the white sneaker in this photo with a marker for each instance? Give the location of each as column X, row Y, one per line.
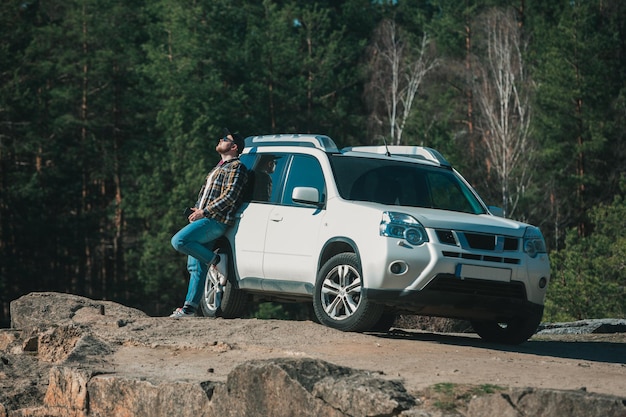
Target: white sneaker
column 217, row 274
column 180, row 313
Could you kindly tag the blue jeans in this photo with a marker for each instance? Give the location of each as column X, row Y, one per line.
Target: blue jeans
column 196, row 240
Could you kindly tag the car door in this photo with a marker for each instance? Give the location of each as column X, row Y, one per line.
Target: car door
column 291, row 238
column 251, row 228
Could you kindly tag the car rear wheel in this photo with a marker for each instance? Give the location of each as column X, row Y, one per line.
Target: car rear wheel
column 512, row 332
column 221, row 298
column 339, row 301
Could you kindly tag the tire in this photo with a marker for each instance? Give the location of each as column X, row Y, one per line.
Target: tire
column 338, row 300
column 225, row 300
column 512, row 332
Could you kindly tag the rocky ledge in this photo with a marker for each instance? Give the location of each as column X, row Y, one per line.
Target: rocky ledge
column 592, row 326
column 52, row 364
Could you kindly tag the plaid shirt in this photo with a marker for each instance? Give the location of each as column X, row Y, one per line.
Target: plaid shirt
column 225, row 191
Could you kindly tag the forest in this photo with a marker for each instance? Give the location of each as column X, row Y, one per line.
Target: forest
column 110, row 111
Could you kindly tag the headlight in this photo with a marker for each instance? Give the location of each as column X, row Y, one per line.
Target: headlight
column 403, row 226
column 533, row 242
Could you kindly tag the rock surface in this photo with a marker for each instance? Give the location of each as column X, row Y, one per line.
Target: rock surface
column 71, row 356
column 596, row 326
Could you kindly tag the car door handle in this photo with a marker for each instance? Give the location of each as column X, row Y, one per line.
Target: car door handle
column 275, row 217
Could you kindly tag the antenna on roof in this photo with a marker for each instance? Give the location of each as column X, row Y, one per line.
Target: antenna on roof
column 386, row 147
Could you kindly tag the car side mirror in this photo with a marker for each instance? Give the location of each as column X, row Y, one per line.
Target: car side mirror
column 496, row 211
column 306, row 195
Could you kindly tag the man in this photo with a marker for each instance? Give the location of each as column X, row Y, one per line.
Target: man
column 213, row 213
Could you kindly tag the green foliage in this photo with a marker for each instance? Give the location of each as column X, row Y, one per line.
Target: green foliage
column 270, row 311
column 281, row 311
column 578, row 125
column 589, row 275
column 448, row 396
column 444, row 387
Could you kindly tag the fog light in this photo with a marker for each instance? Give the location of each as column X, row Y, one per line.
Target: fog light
column 543, row 282
column 398, row 268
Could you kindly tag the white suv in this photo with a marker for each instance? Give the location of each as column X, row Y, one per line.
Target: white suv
column 366, row 233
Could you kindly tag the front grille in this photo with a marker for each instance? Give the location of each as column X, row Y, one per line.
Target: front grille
column 478, row 287
column 478, row 241
column 485, row 258
column 511, row 243
column 446, row 237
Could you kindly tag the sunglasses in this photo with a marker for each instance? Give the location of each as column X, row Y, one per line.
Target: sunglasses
column 226, row 139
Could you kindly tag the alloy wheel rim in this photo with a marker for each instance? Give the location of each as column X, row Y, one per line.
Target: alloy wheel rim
column 341, row 292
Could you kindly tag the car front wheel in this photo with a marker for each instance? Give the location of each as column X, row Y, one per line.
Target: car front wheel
column 339, row 301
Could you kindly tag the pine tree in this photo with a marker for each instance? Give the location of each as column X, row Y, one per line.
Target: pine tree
column 580, row 76
column 588, row 279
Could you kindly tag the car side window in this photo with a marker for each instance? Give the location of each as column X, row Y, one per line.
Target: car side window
column 305, row 171
column 264, row 174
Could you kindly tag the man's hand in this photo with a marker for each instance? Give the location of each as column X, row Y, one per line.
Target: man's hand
column 196, row 215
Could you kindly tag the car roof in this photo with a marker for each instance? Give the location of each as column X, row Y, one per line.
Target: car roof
column 321, row 142
column 416, row 152
column 326, row 144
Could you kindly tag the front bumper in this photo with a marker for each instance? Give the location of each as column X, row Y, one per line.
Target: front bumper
column 468, row 299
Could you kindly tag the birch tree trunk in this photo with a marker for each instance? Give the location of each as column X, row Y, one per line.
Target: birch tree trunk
column 398, row 71
column 502, row 92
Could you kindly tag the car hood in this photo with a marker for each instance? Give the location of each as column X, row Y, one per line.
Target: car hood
column 454, row 220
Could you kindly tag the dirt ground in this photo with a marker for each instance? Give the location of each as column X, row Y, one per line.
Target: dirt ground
column 201, row 349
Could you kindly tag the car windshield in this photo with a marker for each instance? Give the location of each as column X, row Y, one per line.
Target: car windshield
column 402, row 183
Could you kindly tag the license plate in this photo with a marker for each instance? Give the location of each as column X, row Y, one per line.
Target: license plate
column 483, row 272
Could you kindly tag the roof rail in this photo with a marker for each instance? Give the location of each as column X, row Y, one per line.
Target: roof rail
column 321, row 142
column 421, row 152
